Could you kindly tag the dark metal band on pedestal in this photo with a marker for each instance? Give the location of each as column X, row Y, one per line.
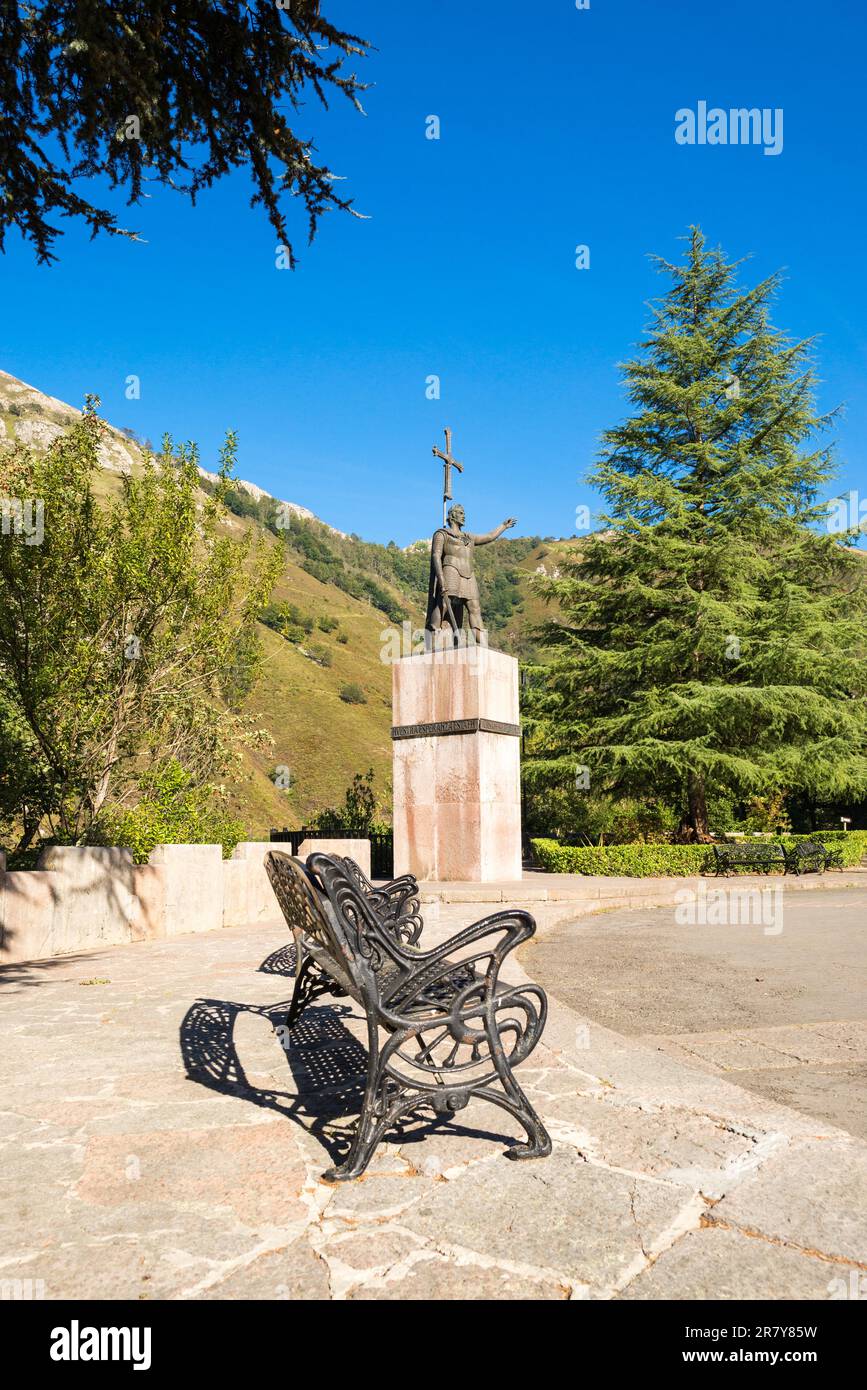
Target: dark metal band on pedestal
column 455, row 726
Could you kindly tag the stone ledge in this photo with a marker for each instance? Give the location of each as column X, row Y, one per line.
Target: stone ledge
column 590, row 890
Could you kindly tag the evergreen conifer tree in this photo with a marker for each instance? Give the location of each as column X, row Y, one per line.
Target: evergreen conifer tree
column 712, row 639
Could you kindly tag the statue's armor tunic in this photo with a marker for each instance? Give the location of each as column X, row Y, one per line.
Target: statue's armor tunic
column 458, row 578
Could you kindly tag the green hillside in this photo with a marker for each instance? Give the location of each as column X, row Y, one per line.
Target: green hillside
column 323, row 631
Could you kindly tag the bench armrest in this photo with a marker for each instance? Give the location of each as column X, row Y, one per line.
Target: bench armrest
column 511, row 927
column 516, row 924
column 450, row 1016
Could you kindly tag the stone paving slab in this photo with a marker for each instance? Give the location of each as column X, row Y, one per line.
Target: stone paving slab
column 748, row 1049
column 839, row 1092
column 158, row 1142
column 808, row 1196
column 716, row 1263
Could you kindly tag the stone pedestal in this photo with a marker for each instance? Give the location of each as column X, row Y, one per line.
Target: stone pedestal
column 457, row 779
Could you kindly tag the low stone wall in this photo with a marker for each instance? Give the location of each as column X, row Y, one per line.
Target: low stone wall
column 80, row 899
column 359, row 850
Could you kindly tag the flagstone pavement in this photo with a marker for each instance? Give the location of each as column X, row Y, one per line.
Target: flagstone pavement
column 159, row 1142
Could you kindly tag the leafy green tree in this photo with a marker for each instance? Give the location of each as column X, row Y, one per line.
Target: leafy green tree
column 713, row 636
column 171, row 810
column 127, row 635
column 357, row 815
column 578, row 816
column 178, row 94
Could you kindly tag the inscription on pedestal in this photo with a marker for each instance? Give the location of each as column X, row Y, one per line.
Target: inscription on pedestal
column 456, row 726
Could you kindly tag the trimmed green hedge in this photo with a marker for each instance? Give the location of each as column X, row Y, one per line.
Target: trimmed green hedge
column 667, row 861
column 631, row 861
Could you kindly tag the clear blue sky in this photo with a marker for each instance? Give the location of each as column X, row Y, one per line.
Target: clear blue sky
column 557, row 129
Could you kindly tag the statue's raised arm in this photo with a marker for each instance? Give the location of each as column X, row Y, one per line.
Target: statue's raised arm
column 497, row 532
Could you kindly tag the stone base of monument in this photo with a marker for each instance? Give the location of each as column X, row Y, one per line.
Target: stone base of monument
column 457, row 779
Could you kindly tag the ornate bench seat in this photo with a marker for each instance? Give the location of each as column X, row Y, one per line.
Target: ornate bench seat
column 453, row 1028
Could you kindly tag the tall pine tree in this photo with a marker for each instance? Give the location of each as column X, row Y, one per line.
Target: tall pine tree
column 712, row 637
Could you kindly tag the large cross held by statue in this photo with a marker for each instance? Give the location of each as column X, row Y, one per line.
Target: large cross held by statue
column 448, row 464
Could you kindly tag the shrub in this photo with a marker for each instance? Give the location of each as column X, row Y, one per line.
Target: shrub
column 631, row 861
column 327, row 624
column 357, row 815
column 342, row 638
column 321, row 655
column 834, row 835
column 768, row 813
column 353, row 694
column 650, row 861
column 568, row 812
column 171, row 812
column 287, row 620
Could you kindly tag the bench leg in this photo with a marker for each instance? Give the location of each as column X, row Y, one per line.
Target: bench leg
column 371, row 1122
column 538, row 1143
column 310, row 983
column 538, row 1139
column 386, row 1099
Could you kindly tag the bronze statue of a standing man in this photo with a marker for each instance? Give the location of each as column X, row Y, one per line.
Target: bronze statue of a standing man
column 453, row 586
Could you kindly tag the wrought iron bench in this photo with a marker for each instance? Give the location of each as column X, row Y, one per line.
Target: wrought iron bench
column 811, row 856
column 454, row 1030
column 752, row 855
column 396, row 902
column 834, row 857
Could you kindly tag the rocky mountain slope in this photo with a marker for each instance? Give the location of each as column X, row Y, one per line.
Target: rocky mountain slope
column 329, row 625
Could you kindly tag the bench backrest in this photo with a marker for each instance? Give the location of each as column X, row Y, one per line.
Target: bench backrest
column 370, row 947
column 399, row 900
column 357, row 874
column 749, row 852
column 809, row 847
column 327, row 911
column 305, row 915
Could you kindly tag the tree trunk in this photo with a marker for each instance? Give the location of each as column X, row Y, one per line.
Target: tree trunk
column 698, row 806
column 28, row 831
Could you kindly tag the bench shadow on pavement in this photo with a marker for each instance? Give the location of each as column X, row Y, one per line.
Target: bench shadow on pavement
column 327, row 1065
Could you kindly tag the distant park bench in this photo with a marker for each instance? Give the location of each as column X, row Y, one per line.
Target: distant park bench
column 454, row 1029
column 808, row 856
column 811, row 856
column 751, row 855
